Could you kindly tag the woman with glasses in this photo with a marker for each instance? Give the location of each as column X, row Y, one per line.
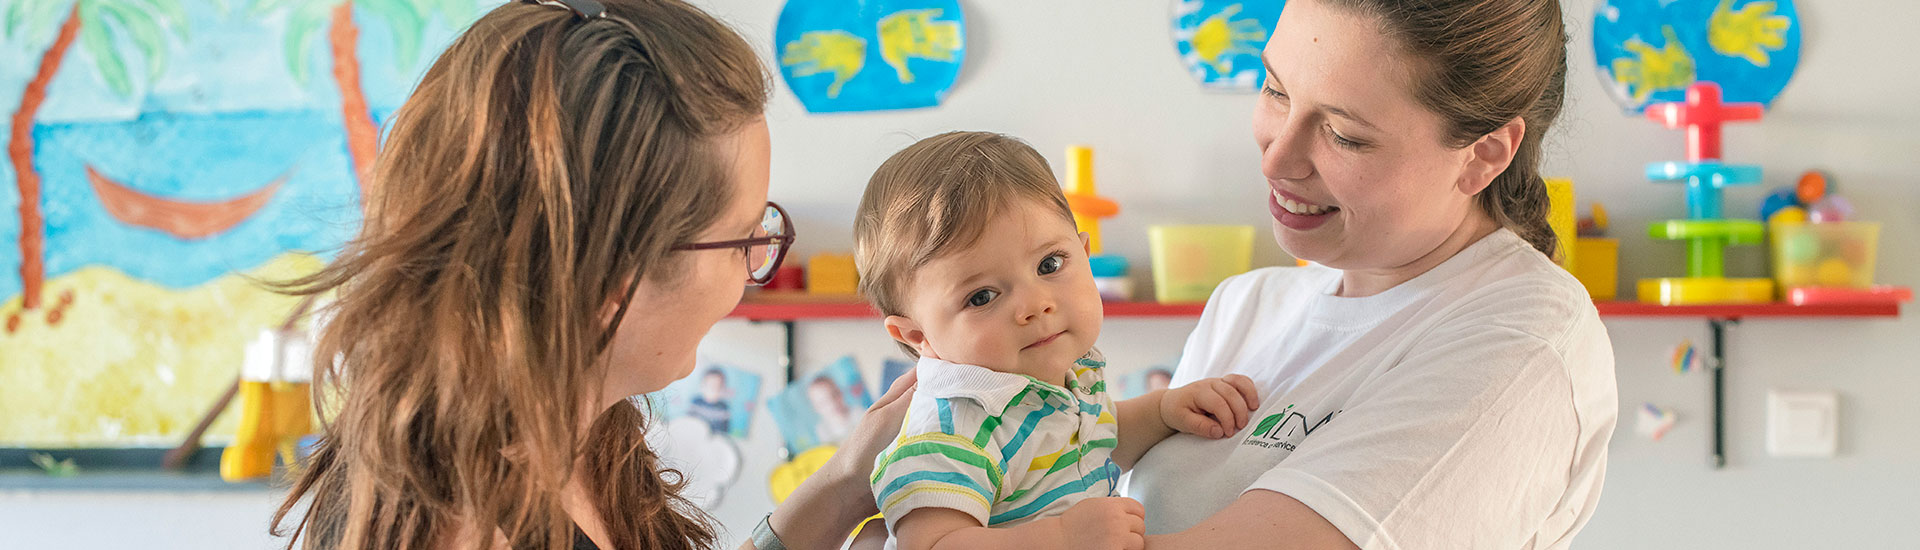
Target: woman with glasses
column 570, row 199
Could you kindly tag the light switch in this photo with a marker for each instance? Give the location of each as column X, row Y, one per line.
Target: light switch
column 1802, row 423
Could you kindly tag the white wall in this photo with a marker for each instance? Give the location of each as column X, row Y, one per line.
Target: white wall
column 1080, row 71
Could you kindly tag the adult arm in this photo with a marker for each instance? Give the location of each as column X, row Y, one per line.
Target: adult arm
column 830, row 503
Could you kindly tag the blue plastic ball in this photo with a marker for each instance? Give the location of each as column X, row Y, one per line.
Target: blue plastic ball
column 1780, row 198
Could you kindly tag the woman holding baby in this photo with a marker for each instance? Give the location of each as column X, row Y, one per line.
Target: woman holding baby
column 566, row 204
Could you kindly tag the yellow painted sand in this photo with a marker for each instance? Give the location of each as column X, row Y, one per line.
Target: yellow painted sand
column 132, row 363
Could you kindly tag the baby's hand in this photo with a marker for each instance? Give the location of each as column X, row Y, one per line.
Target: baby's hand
column 1106, row 523
column 1213, row 407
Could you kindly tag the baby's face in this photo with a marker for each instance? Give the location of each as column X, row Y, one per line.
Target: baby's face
column 1020, row 299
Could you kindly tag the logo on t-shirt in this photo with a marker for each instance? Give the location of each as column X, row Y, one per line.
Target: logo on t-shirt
column 1284, row 429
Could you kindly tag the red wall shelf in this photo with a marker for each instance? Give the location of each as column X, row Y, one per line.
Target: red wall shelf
column 768, row 306
column 800, row 307
column 786, row 308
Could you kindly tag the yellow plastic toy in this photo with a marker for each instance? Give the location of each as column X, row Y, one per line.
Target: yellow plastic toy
column 276, row 408
column 1599, row 267
column 1705, row 290
column 1560, row 217
column 1088, row 207
column 832, row 274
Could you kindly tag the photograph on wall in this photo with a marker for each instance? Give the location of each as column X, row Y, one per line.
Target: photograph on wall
column 721, row 397
column 1139, row 382
column 821, row 408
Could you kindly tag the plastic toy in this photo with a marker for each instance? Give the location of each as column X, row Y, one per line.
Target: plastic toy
column 1088, row 207
column 276, row 409
column 1779, row 199
column 1789, row 215
column 1595, row 224
column 1833, row 208
column 788, row 277
column 1560, row 217
column 832, row 274
column 1706, row 231
column 1599, row 267
column 1811, row 188
column 1109, row 271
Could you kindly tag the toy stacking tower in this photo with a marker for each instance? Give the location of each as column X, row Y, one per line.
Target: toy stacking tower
column 1706, row 231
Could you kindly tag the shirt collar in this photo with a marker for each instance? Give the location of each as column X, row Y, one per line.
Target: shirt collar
column 996, row 390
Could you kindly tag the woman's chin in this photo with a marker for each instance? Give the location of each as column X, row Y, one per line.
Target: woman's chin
column 1299, row 246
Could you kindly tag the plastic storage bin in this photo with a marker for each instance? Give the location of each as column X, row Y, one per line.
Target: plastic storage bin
column 1834, row 255
column 1189, row 260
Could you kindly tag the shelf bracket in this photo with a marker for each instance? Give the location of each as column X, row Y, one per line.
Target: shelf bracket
column 1718, row 364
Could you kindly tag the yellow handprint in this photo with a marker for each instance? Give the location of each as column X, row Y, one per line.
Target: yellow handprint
column 1667, row 68
column 1221, row 37
column 1748, row 33
column 837, row 52
column 914, row 33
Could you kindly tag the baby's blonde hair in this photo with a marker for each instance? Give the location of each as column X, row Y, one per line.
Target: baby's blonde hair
column 936, row 196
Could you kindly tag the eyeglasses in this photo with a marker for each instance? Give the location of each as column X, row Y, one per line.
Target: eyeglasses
column 584, row 9
column 774, row 237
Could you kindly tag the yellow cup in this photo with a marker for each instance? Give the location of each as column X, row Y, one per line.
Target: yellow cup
column 1189, row 260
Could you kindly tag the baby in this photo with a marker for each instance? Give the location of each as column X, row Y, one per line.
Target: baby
column 964, row 241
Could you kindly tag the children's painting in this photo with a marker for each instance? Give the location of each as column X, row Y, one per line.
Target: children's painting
column 1220, row 42
column 870, row 55
column 822, row 408
column 1650, row 51
column 162, row 157
column 719, row 396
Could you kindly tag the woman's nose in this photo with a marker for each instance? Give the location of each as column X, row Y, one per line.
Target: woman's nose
column 1283, row 153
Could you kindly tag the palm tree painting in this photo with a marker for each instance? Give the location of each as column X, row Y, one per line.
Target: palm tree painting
column 406, row 19
column 95, row 23
column 165, row 163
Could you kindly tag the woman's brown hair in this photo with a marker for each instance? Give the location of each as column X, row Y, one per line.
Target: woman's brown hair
column 542, row 160
column 1482, row 64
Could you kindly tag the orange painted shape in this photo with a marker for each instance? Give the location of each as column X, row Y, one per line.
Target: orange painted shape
column 181, row 219
column 20, row 153
column 363, row 137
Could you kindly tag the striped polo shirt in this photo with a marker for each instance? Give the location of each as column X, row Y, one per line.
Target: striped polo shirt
column 1004, row 448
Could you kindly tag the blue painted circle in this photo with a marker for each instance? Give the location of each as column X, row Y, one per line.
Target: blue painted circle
column 1220, row 41
column 1649, row 51
column 869, row 55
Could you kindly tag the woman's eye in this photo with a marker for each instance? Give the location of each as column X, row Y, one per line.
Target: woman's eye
column 981, row 297
column 1343, row 141
column 1051, row 264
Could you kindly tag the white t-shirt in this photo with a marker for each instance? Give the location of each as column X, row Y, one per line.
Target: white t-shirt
column 1469, row 407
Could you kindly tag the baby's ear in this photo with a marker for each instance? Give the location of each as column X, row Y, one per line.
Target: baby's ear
column 1086, row 243
column 908, row 332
